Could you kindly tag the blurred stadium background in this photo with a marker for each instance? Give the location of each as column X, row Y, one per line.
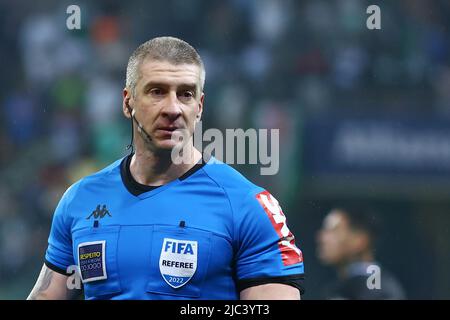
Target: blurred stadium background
column 364, row 115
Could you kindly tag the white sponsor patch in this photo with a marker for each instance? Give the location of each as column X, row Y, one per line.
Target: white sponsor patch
column 178, row 261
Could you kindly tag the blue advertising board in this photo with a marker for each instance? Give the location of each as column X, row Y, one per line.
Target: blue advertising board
column 377, row 145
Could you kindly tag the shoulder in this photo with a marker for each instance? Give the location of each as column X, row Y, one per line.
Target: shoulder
column 247, row 200
column 369, row 285
column 101, row 176
column 232, row 181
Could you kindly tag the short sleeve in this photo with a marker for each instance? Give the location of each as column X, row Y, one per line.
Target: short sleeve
column 267, row 252
column 59, row 256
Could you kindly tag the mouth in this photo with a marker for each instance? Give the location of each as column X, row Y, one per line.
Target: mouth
column 167, row 131
column 168, row 128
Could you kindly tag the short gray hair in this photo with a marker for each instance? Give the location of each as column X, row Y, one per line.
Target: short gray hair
column 168, row 49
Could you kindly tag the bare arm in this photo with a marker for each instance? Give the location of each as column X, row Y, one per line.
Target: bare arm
column 51, row 285
column 271, row 291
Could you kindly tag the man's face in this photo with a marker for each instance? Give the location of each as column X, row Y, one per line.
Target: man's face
column 336, row 240
column 167, row 98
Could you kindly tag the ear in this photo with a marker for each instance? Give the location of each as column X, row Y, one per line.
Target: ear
column 126, row 108
column 200, row 107
column 361, row 241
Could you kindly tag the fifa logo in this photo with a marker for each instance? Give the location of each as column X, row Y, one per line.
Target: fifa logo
column 178, row 261
column 178, row 247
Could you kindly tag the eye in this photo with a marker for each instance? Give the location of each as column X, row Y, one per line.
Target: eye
column 187, row 94
column 156, row 91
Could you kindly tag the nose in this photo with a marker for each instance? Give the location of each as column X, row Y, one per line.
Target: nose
column 320, row 236
column 171, row 108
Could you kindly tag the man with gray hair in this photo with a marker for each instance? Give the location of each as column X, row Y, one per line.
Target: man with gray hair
column 146, row 227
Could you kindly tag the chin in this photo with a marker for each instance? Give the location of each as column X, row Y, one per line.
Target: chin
column 325, row 259
column 165, row 145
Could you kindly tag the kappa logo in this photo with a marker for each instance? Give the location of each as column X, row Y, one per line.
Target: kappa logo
column 178, row 261
column 99, row 213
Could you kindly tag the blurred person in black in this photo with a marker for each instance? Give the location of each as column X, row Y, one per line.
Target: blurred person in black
column 346, row 241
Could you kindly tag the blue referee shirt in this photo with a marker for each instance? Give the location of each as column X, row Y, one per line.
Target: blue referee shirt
column 206, row 235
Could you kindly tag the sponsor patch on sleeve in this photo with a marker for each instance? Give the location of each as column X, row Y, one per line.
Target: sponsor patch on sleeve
column 290, row 254
column 91, row 260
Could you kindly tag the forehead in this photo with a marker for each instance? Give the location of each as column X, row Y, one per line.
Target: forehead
column 334, row 220
column 168, row 73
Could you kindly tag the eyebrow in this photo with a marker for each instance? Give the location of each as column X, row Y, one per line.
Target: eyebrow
column 192, row 86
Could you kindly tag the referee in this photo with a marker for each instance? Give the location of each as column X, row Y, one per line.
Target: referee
column 146, row 227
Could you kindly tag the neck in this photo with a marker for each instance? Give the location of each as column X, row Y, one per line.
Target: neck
column 363, row 257
column 156, row 168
